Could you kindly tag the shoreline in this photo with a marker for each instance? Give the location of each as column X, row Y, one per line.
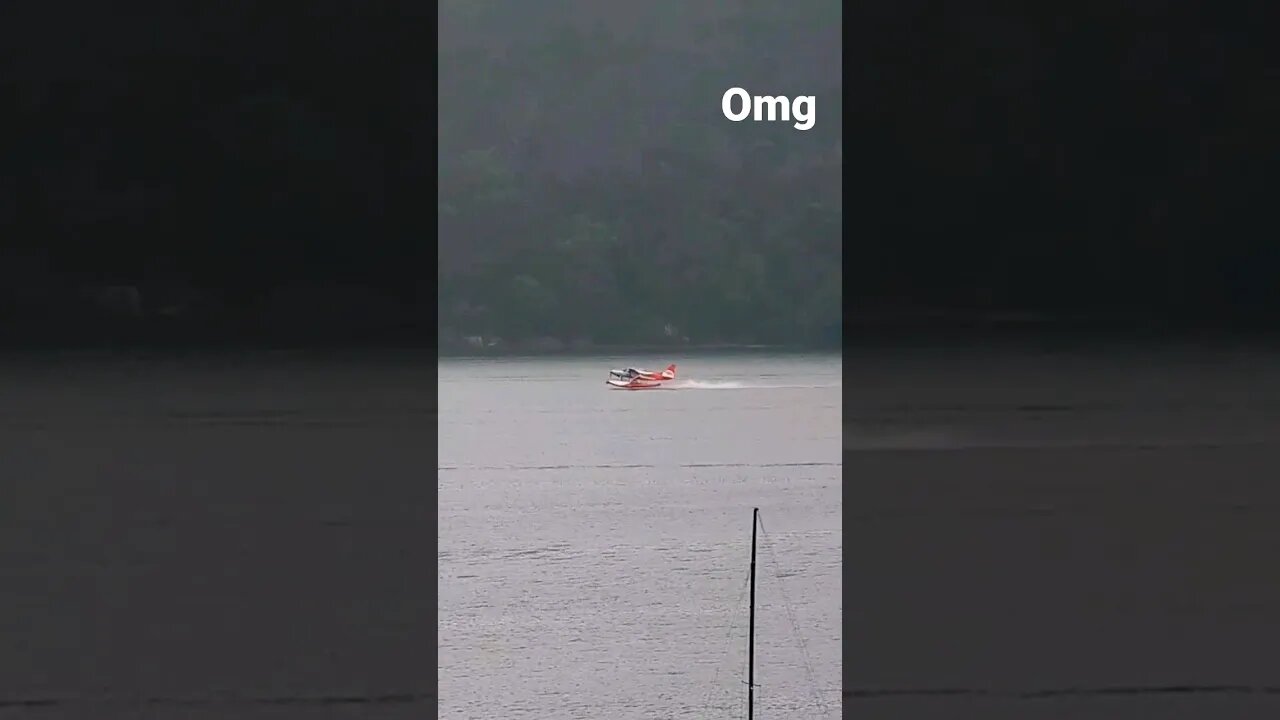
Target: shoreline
column 382, row 353
column 619, row 350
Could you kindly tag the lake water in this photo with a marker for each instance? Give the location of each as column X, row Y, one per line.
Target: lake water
column 594, row 543
column 956, row 398
column 1041, row 532
column 216, row 536
column 246, row 536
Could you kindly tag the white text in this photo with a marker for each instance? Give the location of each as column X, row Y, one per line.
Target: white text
column 802, row 108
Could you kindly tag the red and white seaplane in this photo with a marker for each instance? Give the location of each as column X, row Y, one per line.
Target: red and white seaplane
column 637, row 379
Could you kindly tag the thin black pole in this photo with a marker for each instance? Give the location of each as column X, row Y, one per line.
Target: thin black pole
column 751, row 636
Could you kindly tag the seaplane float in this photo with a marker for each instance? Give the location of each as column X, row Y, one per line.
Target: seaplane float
column 637, row 379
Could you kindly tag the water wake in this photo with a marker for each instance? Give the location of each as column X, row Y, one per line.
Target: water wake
column 708, row 385
column 735, row 385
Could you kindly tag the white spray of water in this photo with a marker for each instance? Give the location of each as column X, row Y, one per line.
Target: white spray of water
column 706, row 385
column 732, row 385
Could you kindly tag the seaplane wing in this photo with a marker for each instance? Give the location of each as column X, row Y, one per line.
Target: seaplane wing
column 637, row 379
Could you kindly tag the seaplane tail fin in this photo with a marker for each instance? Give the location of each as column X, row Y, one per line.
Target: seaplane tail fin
column 670, row 372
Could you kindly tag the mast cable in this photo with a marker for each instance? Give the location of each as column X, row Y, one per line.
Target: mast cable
column 795, row 626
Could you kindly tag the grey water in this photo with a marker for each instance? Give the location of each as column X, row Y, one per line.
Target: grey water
column 594, row 543
column 1062, row 531
column 240, row 536
column 955, row 398
column 216, row 536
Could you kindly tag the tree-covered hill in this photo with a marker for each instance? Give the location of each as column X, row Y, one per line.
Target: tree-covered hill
column 590, row 187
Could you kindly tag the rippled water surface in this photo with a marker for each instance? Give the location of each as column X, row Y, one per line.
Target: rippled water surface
column 594, row 543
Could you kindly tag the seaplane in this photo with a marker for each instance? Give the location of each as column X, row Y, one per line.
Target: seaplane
column 637, row 379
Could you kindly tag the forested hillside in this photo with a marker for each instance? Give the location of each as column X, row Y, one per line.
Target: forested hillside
column 591, row 189
column 251, row 169
column 213, row 171
column 1105, row 160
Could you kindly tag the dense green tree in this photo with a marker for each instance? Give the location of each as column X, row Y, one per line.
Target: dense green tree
column 590, row 188
column 242, row 163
